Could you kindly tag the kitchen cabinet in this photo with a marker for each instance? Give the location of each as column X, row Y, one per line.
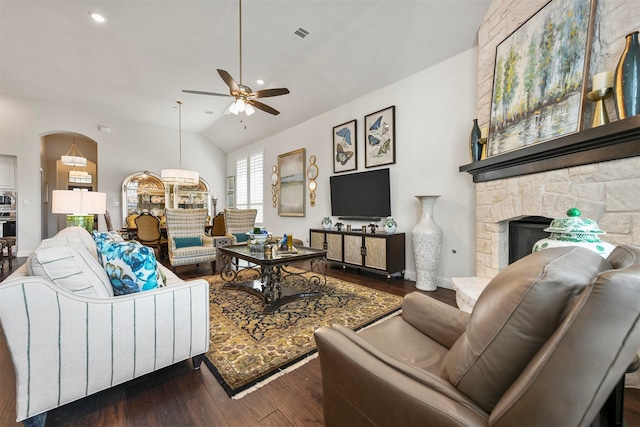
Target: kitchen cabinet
column 7, row 172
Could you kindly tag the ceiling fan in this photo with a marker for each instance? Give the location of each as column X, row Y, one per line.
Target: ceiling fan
column 245, row 98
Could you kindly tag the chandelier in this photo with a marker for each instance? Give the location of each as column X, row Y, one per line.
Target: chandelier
column 179, row 176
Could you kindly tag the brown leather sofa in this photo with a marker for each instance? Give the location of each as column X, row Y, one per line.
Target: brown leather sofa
column 547, row 342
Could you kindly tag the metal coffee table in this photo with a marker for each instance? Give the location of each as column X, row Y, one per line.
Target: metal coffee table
column 270, row 277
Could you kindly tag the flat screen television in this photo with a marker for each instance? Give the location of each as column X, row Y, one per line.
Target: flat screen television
column 361, row 196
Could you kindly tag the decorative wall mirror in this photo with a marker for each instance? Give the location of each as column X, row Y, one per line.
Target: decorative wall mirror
column 312, row 174
column 274, row 185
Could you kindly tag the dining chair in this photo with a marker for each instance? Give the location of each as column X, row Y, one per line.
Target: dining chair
column 149, row 233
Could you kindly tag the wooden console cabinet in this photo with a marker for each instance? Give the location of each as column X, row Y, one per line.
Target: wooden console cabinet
column 379, row 253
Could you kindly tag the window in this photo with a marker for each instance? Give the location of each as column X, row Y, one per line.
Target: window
column 249, row 184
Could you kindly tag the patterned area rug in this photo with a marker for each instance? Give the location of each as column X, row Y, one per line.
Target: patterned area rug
column 248, row 348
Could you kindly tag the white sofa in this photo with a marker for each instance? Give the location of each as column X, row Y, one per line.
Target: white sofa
column 69, row 337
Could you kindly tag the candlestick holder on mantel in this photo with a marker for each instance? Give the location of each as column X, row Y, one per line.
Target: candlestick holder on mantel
column 600, row 116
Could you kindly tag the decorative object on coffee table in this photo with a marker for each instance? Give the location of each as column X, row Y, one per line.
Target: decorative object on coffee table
column 380, row 138
column 389, row 225
column 345, row 150
column 626, row 82
column 574, row 231
column 427, row 241
column 540, row 77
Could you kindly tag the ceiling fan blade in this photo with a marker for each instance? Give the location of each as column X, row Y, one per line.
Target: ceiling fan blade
column 199, row 92
column 263, row 107
column 270, row 92
column 229, row 81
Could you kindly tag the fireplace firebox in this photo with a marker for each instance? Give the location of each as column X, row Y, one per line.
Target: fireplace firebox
column 524, row 233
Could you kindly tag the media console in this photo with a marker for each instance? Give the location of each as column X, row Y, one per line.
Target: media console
column 375, row 252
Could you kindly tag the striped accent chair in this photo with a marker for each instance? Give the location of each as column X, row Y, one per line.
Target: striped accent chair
column 69, row 337
column 188, row 243
column 239, row 222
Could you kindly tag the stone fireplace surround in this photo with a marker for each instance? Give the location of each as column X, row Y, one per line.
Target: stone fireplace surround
column 596, row 170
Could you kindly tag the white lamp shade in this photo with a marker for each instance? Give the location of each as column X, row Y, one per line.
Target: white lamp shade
column 78, row 174
column 75, row 202
column 179, row 176
column 73, row 161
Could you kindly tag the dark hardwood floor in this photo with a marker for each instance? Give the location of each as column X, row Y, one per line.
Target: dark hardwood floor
column 180, row 396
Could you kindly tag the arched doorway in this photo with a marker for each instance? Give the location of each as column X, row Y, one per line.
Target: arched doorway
column 55, row 175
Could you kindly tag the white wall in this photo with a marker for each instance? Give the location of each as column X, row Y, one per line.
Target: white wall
column 434, row 113
column 130, row 147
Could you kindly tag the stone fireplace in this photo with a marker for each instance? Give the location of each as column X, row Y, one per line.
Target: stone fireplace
column 596, row 170
column 607, row 192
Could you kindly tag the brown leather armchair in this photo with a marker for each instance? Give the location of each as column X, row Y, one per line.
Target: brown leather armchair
column 546, row 343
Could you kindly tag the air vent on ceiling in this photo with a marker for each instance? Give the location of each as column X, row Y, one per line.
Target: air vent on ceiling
column 301, row 33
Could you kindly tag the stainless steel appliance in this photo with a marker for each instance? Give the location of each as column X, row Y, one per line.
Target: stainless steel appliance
column 8, row 212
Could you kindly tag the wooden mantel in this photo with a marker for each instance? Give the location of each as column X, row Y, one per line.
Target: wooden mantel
column 612, row 141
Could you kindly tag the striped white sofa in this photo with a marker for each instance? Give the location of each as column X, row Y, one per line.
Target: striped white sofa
column 187, row 241
column 69, row 337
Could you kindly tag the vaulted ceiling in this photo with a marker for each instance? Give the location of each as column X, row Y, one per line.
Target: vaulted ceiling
column 136, row 64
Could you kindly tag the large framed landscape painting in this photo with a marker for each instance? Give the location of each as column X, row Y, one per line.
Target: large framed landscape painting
column 292, row 183
column 539, row 79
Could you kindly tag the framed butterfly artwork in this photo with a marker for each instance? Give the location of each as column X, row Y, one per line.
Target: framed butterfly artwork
column 345, row 151
column 380, row 138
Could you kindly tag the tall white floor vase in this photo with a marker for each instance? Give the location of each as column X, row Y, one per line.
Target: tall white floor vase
column 427, row 241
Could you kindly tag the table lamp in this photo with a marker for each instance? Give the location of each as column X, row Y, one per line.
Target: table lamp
column 79, row 205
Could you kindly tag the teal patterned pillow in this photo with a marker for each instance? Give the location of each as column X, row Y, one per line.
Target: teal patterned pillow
column 101, row 238
column 131, row 267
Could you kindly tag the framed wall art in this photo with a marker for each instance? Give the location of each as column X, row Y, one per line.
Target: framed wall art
column 540, row 77
column 345, row 153
column 292, row 183
column 231, row 191
column 380, row 138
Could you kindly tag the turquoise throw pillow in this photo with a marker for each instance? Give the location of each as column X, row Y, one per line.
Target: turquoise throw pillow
column 185, row 242
column 131, row 267
column 101, row 238
column 240, row 237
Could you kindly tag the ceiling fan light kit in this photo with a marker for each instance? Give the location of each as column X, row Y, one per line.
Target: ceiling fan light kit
column 244, row 102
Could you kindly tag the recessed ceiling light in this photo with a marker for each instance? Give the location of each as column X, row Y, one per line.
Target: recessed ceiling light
column 260, row 81
column 97, row 17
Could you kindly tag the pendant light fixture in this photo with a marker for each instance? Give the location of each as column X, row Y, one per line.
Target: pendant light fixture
column 74, row 157
column 179, row 176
